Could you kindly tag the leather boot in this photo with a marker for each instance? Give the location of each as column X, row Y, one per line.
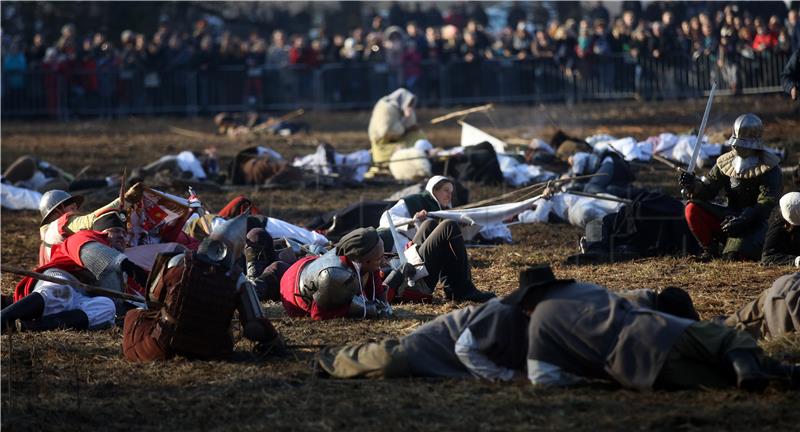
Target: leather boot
column 749, row 374
column 75, row 319
column 30, row 307
column 258, row 251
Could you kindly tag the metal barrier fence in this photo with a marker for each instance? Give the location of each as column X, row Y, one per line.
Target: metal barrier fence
column 359, row 85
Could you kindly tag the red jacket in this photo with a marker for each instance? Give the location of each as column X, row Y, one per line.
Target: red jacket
column 65, row 256
column 295, row 305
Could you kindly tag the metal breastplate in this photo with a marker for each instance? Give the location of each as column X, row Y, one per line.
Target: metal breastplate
column 328, row 282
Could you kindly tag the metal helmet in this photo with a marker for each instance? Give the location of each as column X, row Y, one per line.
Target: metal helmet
column 51, row 200
column 747, row 130
column 226, row 243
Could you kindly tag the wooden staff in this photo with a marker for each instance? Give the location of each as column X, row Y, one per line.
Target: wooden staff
column 77, row 284
column 524, row 190
column 461, row 113
column 601, row 197
column 668, row 163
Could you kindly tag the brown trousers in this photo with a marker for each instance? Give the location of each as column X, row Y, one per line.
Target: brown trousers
column 384, row 359
column 698, row 357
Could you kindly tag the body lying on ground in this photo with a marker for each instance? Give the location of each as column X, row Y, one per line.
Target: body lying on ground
column 92, row 256
column 575, row 332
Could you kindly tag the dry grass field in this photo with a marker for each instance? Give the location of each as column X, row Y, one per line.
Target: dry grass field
column 79, row 380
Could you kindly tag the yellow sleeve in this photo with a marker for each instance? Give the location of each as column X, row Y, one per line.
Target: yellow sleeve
column 78, row 223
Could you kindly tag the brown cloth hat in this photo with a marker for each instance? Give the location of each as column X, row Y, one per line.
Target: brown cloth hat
column 357, row 243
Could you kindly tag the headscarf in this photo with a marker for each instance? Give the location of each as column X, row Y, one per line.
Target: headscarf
column 432, row 183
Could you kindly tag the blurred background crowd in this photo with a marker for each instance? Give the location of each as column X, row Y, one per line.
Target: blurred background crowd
column 191, row 58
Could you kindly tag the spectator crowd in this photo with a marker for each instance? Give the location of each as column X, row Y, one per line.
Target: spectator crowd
column 119, row 72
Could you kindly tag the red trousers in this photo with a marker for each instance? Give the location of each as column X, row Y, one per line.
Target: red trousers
column 704, row 225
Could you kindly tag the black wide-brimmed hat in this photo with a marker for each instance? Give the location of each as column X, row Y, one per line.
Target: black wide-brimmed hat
column 533, row 278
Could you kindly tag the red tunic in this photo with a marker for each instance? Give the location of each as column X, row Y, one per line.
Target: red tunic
column 65, row 256
column 297, row 307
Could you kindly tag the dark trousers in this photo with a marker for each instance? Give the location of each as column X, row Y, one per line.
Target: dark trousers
column 441, row 246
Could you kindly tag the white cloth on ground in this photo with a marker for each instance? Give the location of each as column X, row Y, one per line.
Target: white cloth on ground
column 18, row 198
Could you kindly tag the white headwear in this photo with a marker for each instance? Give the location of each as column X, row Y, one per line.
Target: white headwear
column 790, row 208
column 435, row 180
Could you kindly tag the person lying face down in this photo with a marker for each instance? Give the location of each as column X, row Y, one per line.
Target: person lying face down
column 344, row 282
column 486, row 341
column 580, row 331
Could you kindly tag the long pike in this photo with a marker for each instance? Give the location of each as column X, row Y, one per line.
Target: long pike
column 77, row 284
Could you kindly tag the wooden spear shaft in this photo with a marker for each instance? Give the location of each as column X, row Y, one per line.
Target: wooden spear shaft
column 455, row 114
column 77, row 284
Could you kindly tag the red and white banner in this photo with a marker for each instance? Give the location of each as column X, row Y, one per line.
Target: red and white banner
column 157, row 214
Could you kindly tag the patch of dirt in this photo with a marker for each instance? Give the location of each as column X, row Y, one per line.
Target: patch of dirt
column 73, row 380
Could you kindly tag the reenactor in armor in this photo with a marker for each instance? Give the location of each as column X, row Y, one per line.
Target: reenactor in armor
column 343, row 282
column 90, row 256
column 60, row 216
column 198, row 293
column 751, row 180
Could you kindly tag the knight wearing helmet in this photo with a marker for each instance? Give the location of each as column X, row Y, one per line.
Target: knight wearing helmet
column 750, row 178
column 60, row 217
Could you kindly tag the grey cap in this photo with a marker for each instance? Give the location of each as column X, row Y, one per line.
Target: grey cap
column 747, row 130
column 51, row 200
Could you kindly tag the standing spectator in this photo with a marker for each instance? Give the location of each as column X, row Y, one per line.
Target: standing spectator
column 542, row 46
column 764, row 39
column 14, row 68
column 54, row 81
column 450, row 44
column 107, row 68
column 728, row 61
column 521, row 41
column 433, row 44
column 793, row 27
column 278, row 51
column 254, row 62
column 178, row 57
column 35, row 53
column 153, row 62
column 414, row 33
column 394, row 49
column 472, row 57
column 412, row 68
column 129, row 69
column 205, row 66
